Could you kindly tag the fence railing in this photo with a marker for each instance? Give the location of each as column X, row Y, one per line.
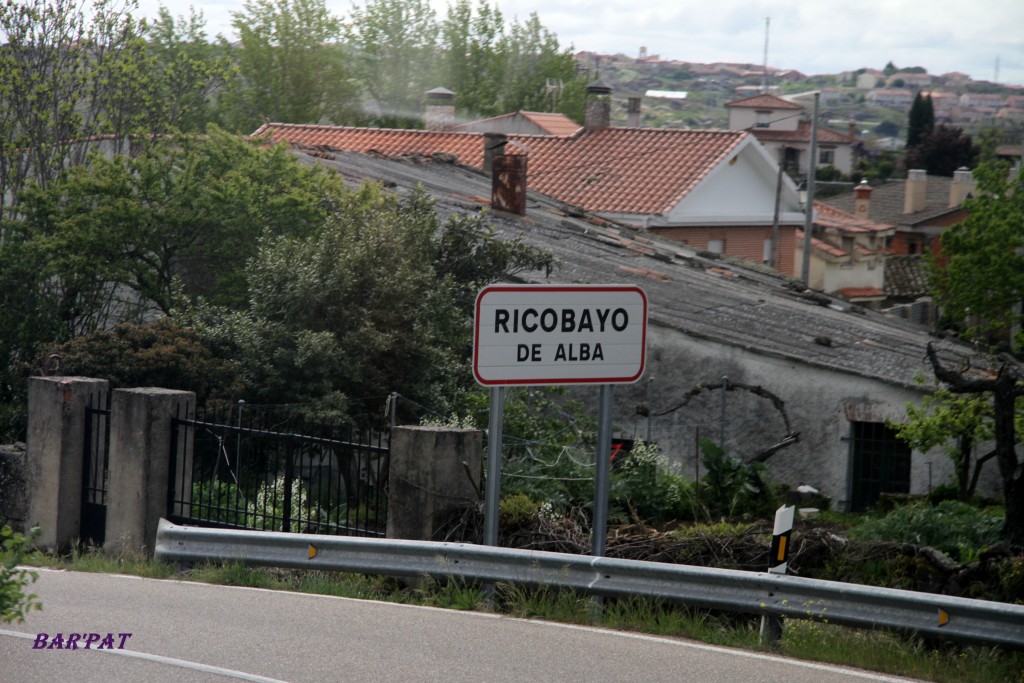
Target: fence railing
column 860, row 606
column 237, row 469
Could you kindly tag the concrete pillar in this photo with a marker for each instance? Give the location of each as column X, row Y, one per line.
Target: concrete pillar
column 140, row 451
column 431, row 470
column 53, row 461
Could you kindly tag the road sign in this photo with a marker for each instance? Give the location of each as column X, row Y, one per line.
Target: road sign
column 559, row 334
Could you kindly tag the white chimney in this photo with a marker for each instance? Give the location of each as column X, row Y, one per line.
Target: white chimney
column 963, row 185
column 916, row 191
column 862, row 199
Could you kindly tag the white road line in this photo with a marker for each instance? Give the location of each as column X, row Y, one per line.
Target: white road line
column 170, row 661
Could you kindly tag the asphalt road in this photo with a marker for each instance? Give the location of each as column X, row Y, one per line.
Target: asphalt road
column 182, row 631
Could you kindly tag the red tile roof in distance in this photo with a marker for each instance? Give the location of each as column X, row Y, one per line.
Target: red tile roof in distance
column 555, row 124
column 615, row 170
column 764, row 102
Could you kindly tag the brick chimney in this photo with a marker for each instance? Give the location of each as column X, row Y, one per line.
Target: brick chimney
column 915, row 191
column 494, row 146
column 508, row 183
column 598, row 112
column 440, row 113
column 963, row 185
column 633, row 116
column 862, row 200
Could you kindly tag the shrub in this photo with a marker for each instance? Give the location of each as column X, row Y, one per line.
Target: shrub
column 14, row 602
column 955, row 528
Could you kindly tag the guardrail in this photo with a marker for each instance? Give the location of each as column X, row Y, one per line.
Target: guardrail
column 940, row 616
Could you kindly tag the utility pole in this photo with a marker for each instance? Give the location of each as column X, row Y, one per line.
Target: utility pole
column 812, row 167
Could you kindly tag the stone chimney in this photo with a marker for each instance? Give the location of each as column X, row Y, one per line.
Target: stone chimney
column 915, row 191
column 862, row 200
column 440, row 109
column 633, row 116
column 494, row 146
column 853, row 131
column 963, row 186
column 598, row 112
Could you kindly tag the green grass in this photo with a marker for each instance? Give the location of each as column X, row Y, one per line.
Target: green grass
column 871, row 650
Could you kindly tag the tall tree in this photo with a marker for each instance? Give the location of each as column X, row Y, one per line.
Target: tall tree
column 393, row 45
column 56, row 85
column 291, row 65
column 920, row 120
column 191, row 72
column 539, row 74
column 942, row 152
column 980, row 281
column 474, row 58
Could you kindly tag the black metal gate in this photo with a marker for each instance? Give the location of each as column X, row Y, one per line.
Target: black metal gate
column 95, row 458
column 245, row 467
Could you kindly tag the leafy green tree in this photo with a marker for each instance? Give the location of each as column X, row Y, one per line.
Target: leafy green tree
column 955, row 422
column 368, row 305
column 291, row 66
column 393, row 46
column 980, row 280
column 942, row 151
column 533, row 58
column 474, row 62
column 190, row 71
column 920, row 120
column 113, row 237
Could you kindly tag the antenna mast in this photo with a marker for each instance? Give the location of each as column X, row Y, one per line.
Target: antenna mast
column 764, row 74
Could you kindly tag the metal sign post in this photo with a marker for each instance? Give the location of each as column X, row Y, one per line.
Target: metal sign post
column 557, row 334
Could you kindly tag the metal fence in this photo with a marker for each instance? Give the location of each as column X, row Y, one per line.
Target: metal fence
column 248, row 467
column 95, row 460
column 793, row 597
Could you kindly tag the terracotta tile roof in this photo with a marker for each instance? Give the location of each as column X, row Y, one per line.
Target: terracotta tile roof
column 802, row 134
column 616, row 170
column 850, row 293
column 830, row 217
column 764, row 102
column 551, row 124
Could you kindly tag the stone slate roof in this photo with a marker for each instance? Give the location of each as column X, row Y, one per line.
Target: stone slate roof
column 906, row 276
column 887, row 202
column 644, row 171
column 702, row 297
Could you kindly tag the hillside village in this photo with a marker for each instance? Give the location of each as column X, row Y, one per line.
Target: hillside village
column 692, row 94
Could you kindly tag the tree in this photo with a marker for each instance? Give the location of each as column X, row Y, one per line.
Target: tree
column 290, row 64
column 191, row 72
column 474, row 61
column 15, row 604
column 393, row 46
column 58, row 83
column 533, row 58
column 920, row 120
column 979, row 279
column 124, row 238
column 942, row 152
column 373, row 303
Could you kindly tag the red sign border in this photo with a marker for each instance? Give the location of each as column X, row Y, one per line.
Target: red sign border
column 557, row 288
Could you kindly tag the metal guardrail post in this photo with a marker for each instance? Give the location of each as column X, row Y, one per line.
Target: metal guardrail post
column 938, row 616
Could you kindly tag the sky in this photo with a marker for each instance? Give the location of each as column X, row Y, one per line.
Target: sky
column 983, row 38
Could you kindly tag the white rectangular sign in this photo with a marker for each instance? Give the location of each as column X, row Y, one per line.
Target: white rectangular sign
column 559, row 334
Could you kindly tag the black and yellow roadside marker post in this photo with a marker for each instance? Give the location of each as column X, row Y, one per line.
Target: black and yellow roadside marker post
column 778, row 562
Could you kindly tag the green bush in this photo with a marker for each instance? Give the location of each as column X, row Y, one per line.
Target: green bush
column 14, row 602
column 955, row 528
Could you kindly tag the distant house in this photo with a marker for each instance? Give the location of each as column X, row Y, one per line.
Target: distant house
column 869, row 79
column 839, row 371
column 912, row 80
column 848, row 254
column 715, row 190
column 895, row 98
column 780, row 126
column 987, row 100
column 920, row 207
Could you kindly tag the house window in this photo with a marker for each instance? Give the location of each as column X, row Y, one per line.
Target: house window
column 716, row 246
column 880, row 463
column 763, row 119
column 827, row 157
